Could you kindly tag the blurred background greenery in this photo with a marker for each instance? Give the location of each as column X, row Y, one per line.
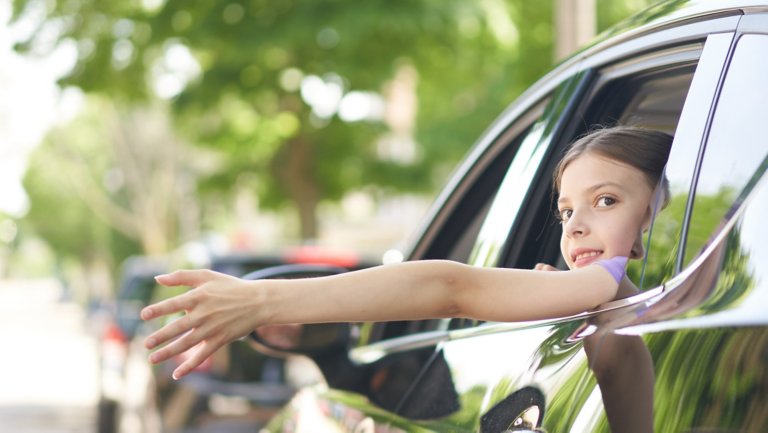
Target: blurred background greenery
column 258, row 124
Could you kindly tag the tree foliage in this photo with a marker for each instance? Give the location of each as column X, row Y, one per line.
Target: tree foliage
column 113, row 183
column 239, row 85
column 235, row 71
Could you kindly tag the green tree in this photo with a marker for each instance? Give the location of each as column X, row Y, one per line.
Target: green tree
column 241, row 75
column 241, row 89
column 112, row 183
column 8, row 241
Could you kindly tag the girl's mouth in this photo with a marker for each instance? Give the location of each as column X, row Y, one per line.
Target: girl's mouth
column 582, row 258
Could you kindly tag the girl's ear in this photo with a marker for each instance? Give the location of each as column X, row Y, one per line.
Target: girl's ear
column 658, row 199
column 647, row 218
column 638, row 251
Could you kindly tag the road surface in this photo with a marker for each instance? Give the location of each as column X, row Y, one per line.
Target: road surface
column 48, row 362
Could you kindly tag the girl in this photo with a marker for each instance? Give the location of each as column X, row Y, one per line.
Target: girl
column 605, row 185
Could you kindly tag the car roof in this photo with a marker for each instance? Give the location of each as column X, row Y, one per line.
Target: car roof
column 671, row 13
column 660, row 16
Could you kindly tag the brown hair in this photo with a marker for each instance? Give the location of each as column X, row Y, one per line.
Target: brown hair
column 644, row 149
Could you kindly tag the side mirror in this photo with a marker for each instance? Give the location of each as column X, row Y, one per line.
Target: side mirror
column 307, row 340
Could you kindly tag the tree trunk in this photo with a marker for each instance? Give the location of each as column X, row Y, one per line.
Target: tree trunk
column 575, row 24
column 293, row 167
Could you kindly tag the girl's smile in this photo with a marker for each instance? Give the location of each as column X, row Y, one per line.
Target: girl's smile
column 604, row 208
column 584, row 256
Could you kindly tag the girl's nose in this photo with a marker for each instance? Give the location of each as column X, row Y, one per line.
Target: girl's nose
column 576, row 225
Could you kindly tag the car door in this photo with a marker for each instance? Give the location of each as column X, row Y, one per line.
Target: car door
column 693, row 350
column 538, row 374
column 707, row 332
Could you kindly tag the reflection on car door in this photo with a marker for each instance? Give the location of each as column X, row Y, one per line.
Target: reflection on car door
column 706, row 353
column 494, row 365
column 712, row 379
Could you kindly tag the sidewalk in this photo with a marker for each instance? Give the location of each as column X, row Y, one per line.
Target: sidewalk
column 48, row 367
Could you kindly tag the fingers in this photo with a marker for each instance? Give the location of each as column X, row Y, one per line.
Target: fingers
column 181, row 345
column 544, row 267
column 169, row 332
column 177, row 303
column 197, row 349
column 191, row 278
column 196, row 338
column 168, row 306
column 202, row 352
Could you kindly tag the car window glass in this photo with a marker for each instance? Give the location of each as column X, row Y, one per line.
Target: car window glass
column 484, row 190
column 676, row 99
column 515, row 187
column 664, row 244
column 736, row 145
column 654, row 100
column 460, row 228
column 453, row 230
column 673, row 93
column 511, row 197
column 657, row 104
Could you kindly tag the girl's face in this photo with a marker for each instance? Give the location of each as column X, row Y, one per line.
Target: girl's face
column 604, row 206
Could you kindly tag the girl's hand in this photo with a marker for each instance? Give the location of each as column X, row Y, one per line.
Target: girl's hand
column 544, row 267
column 219, row 309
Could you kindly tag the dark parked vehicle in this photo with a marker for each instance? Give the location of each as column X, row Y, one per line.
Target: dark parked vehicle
column 120, row 324
column 237, row 389
column 687, row 354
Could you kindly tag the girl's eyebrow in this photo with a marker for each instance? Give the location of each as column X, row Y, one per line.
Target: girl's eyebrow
column 602, row 185
column 594, row 188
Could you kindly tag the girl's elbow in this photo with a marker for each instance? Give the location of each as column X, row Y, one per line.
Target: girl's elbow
column 453, row 301
column 456, row 290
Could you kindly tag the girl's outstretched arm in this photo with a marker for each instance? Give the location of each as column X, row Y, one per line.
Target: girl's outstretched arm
column 220, row 308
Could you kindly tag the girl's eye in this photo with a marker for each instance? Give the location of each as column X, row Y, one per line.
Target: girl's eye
column 565, row 214
column 605, row 201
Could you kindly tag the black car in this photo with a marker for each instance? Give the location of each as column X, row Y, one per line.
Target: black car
column 237, row 389
column 687, row 354
column 119, row 325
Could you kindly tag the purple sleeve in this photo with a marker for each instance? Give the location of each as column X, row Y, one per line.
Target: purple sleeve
column 614, row 266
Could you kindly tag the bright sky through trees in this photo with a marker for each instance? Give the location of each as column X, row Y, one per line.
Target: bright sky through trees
column 29, row 100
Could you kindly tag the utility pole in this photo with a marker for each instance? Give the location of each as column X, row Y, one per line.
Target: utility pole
column 575, row 25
